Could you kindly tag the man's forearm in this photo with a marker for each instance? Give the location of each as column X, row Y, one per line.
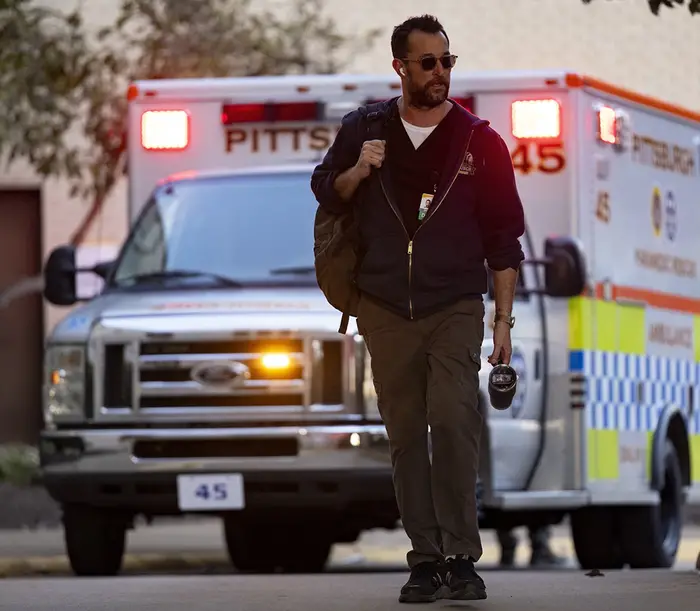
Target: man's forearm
column 346, row 183
column 504, row 283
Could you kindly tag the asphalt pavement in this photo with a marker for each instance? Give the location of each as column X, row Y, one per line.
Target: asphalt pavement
column 544, row 591
column 183, row 565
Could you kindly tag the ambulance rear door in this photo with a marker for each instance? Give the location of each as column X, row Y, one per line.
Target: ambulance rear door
column 535, row 124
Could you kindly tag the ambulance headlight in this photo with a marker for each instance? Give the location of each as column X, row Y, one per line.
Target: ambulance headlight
column 64, row 382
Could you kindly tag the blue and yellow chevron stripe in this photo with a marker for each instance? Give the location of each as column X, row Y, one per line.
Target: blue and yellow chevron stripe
column 626, row 388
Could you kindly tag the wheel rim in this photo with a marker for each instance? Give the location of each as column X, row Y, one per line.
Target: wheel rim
column 670, row 512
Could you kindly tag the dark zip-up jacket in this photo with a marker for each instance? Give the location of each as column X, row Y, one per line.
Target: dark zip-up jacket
column 476, row 217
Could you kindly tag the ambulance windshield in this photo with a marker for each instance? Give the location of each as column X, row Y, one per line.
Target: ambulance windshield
column 225, row 231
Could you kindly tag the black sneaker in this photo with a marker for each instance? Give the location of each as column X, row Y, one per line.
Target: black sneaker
column 463, row 581
column 425, row 585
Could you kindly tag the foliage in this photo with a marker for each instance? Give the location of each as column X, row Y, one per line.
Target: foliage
column 42, row 68
column 57, row 81
column 655, row 5
column 19, row 464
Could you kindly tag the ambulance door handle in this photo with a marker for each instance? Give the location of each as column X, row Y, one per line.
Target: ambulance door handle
column 538, row 361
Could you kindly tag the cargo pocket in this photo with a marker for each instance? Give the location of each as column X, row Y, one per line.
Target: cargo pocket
column 469, row 378
column 475, row 357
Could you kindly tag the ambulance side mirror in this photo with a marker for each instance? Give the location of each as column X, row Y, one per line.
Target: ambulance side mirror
column 565, row 268
column 59, row 276
column 61, row 271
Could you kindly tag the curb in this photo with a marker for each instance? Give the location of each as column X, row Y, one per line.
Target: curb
column 59, row 565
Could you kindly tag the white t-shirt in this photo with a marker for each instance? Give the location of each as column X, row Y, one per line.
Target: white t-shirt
column 417, row 134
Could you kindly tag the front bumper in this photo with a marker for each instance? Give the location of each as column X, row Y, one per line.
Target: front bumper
column 136, row 469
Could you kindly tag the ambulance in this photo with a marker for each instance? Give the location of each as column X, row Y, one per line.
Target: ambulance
column 208, row 375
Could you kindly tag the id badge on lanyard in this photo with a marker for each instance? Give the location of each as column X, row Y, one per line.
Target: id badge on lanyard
column 426, row 200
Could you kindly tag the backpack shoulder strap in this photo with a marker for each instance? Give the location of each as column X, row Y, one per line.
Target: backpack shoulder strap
column 344, row 322
column 377, row 116
column 375, row 119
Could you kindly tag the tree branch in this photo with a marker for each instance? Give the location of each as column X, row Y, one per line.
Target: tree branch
column 655, row 5
column 54, row 79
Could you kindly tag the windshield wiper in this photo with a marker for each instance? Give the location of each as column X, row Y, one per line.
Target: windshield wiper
column 281, row 271
column 178, row 273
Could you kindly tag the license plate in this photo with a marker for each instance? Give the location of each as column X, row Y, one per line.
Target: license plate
column 210, row 492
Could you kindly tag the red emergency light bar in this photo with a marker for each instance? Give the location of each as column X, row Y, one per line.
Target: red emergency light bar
column 163, row 130
column 270, row 113
column 607, row 125
column 532, row 119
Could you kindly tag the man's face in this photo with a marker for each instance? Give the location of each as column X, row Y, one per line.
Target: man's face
column 426, row 88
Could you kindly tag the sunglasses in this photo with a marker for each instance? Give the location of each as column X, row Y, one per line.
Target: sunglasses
column 428, row 63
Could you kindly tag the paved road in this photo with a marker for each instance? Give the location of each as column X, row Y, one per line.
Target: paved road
column 561, row 591
column 197, row 545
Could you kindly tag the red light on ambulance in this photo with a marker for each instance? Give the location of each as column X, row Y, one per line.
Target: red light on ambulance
column 607, row 124
column 165, row 130
column 536, row 119
column 267, row 113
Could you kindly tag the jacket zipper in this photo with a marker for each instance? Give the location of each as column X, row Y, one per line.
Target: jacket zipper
column 410, row 246
column 432, row 209
column 410, row 278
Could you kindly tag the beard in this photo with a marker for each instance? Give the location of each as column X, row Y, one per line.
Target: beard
column 428, row 96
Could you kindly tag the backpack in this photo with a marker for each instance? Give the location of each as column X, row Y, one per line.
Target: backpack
column 336, row 238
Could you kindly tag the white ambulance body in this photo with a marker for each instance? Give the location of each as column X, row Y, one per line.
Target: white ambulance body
column 605, row 426
column 630, row 196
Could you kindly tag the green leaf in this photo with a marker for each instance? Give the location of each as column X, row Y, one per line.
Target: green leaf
column 19, row 464
column 655, row 5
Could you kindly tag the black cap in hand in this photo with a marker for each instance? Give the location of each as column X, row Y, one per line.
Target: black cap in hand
column 503, row 381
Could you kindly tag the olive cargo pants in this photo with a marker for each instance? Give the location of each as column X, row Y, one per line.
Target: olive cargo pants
column 426, row 373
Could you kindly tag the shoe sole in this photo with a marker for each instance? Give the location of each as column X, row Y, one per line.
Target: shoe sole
column 414, row 597
column 418, row 598
column 469, row 592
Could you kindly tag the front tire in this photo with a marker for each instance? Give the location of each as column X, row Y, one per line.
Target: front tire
column 650, row 536
column 595, row 539
column 95, row 540
column 267, row 547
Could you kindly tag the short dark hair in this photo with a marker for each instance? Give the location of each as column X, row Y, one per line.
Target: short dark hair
column 425, row 23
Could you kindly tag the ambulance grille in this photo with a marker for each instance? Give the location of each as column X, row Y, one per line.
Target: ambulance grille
column 222, row 374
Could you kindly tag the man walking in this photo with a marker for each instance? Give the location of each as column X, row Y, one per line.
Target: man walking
column 435, row 200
